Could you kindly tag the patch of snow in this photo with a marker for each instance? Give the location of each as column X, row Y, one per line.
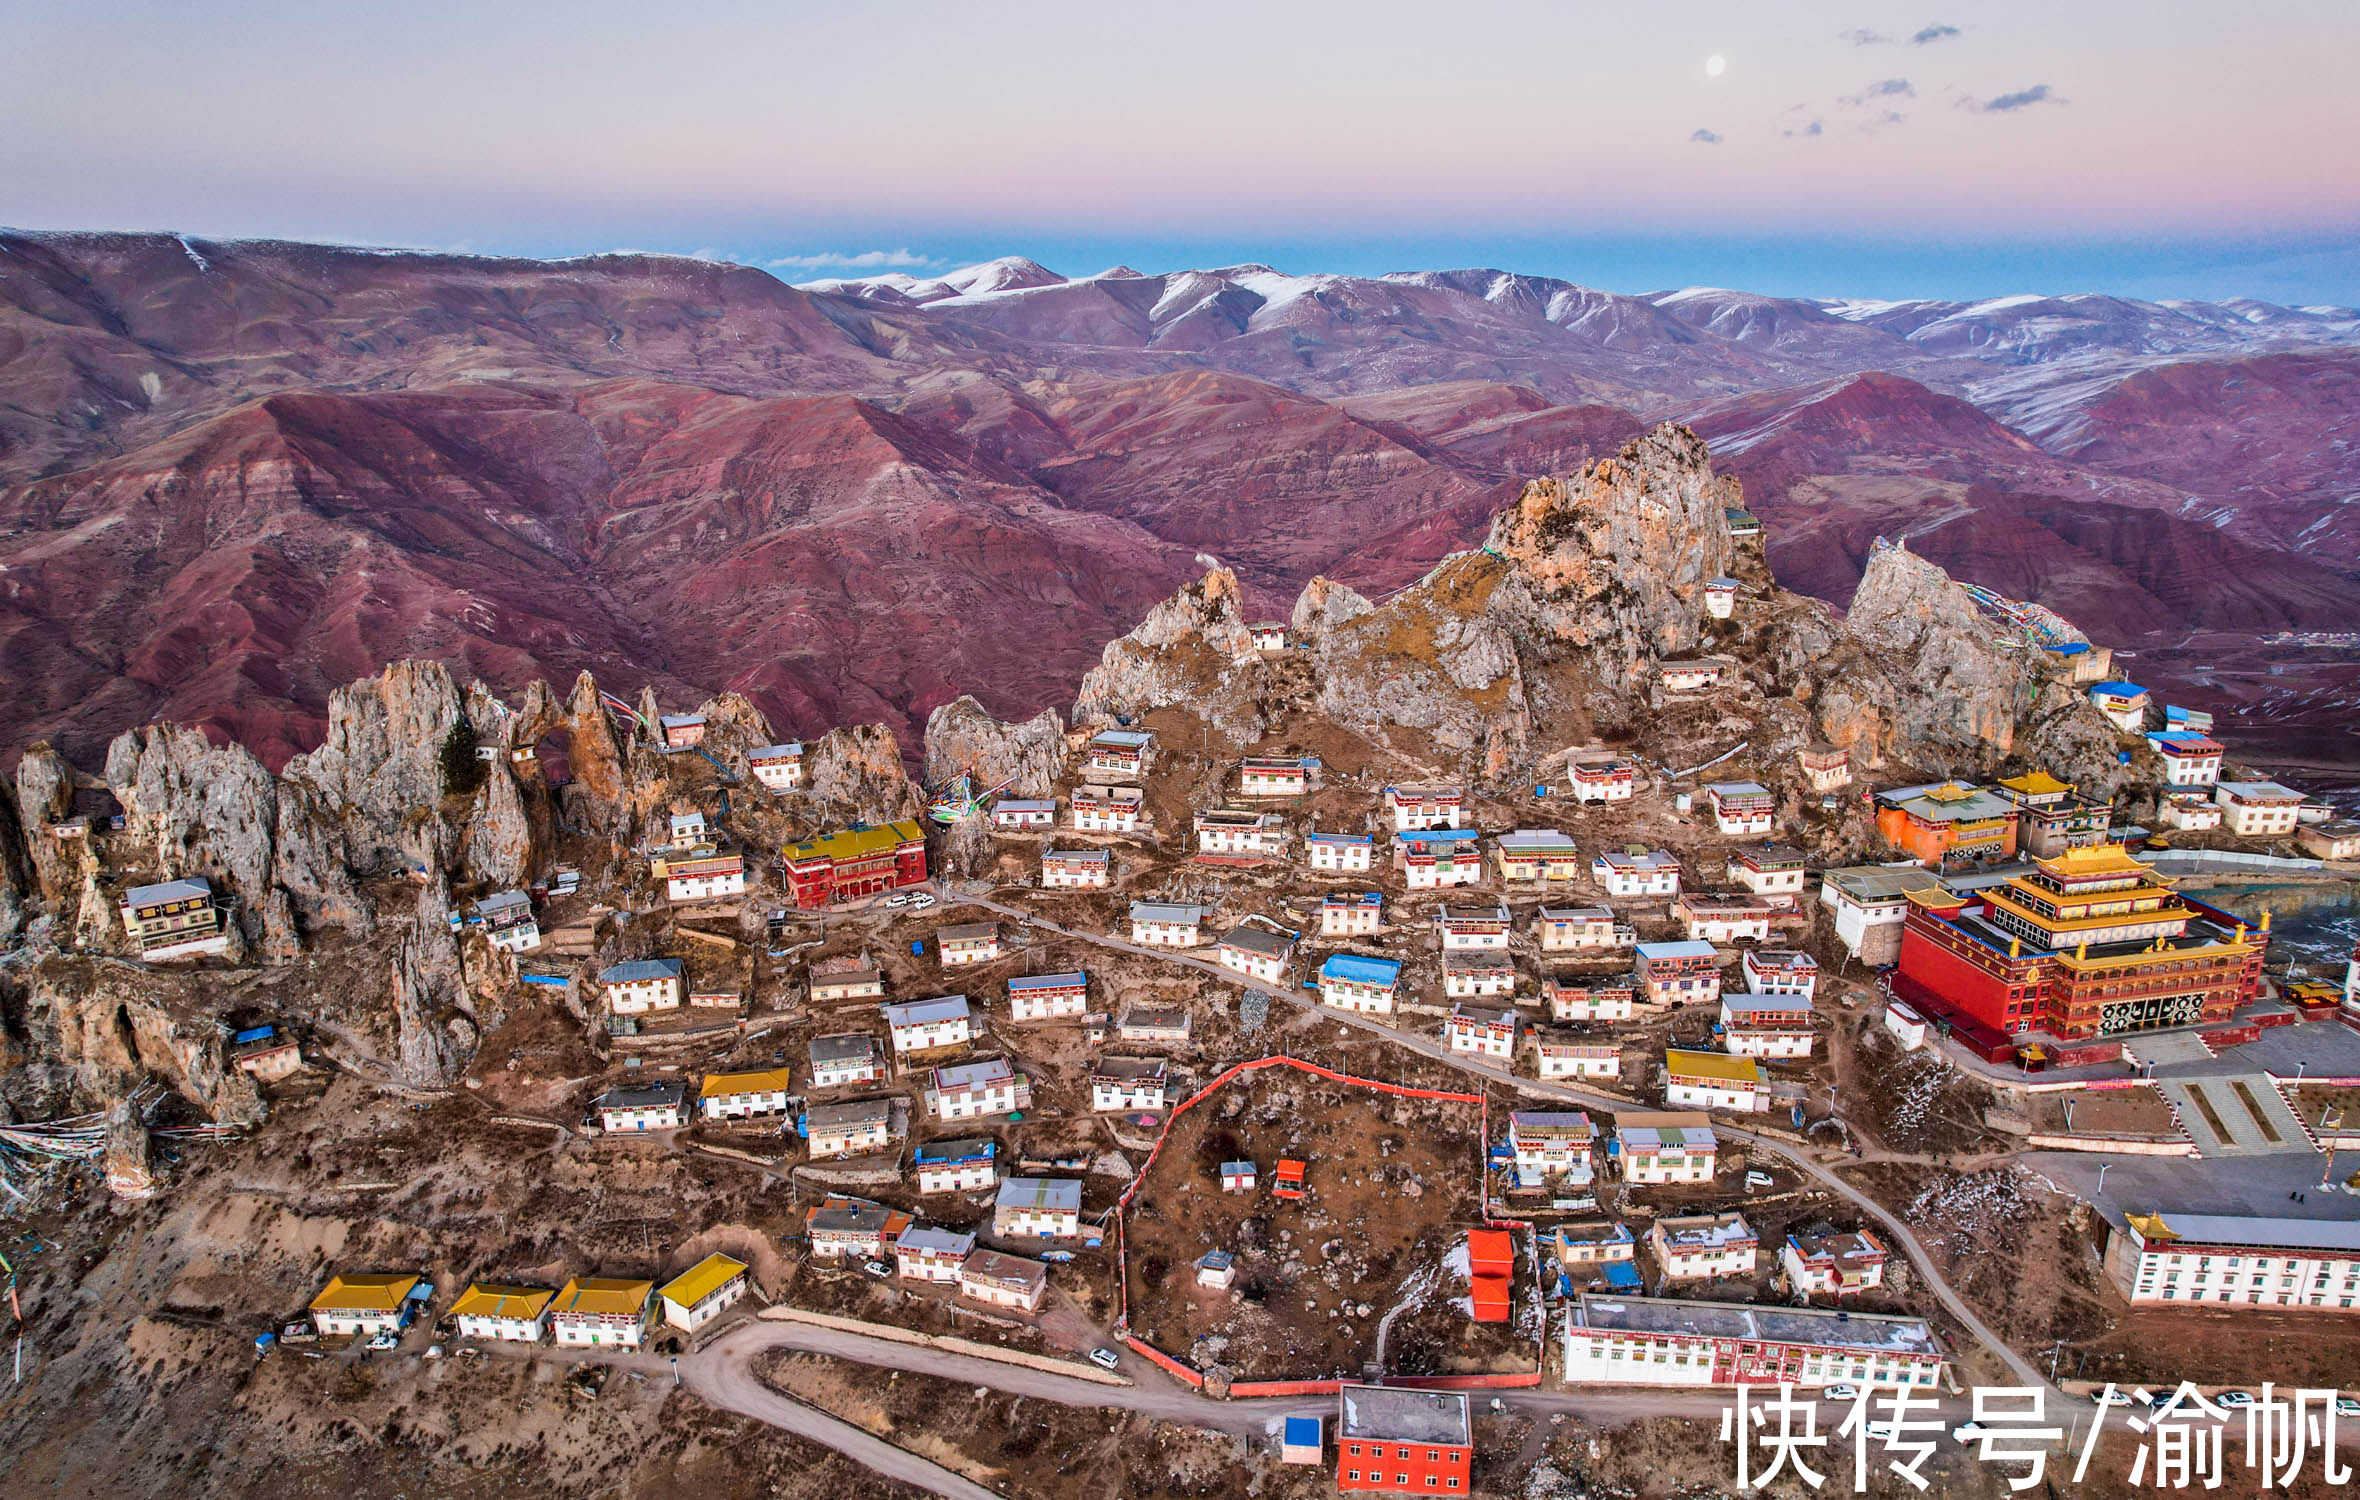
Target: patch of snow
column 190, row 251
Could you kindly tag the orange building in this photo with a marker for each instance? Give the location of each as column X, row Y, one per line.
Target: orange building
column 1948, row 826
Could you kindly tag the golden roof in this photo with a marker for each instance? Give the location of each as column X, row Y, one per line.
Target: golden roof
column 751, row 1081
column 2150, row 1226
column 604, row 1296
column 2036, row 784
column 490, row 1299
column 2096, row 859
column 367, row 1293
column 1718, row 1065
column 703, row 1279
column 856, row 843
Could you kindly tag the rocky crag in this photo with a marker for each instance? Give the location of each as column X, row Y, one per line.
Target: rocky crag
column 1554, row 633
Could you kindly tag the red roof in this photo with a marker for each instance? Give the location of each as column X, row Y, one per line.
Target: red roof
column 1490, row 1252
column 1289, row 1170
column 1491, row 1299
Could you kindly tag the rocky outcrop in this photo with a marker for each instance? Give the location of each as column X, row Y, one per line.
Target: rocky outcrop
column 434, row 1023
column 855, row 774
column 1922, row 677
column 380, row 768
column 1188, row 652
column 1323, row 605
column 45, row 795
column 1024, row 759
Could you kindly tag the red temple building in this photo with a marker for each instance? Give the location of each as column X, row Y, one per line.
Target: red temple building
column 2090, row 943
column 856, row 863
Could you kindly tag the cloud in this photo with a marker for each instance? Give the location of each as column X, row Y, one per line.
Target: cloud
column 1937, row 32
column 2002, row 104
column 1933, row 31
column 862, row 259
column 1706, row 138
column 1861, row 36
column 1814, row 127
column 1883, row 88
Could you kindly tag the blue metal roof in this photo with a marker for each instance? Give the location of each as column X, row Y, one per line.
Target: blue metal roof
column 2119, row 688
column 250, row 1034
column 1622, row 1276
column 1303, row 1432
column 1439, row 836
column 1360, row 967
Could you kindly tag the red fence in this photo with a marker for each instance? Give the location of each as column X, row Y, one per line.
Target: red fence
column 1327, row 1387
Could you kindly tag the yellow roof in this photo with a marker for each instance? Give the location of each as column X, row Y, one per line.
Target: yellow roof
column 2096, row 859
column 751, row 1081
column 2036, row 784
column 363, row 1293
column 703, row 1279
column 604, row 1296
column 2150, row 1226
column 1711, row 1065
column 855, row 842
column 490, row 1299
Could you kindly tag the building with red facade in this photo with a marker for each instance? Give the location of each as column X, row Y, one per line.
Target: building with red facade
column 1403, row 1442
column 2089, row 943
column 856, row 863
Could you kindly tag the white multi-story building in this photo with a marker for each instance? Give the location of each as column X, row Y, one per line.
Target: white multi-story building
column 369, row 1303
column 1038, row 1208
column 1413, row 807
column 1619, row 1340
column 1647, row 873
column 2236, row 1260
column 975, row 1090
column 744, row 1095
column 849, row 1129
column 1741, row 807
column 1537, row 854
column 1351, row 913
column 845, row 1058
column 703, row 1292
column 1118, row 752
column 1024, row 814
column 1268, row 776
column 1772, row 870
column 1481, row 1031
column 1767, row 1025
column 2189, row 758
column 507, row 921
column 779, row 767
column 1238, row 833
column 2257, row 809
column 1702, row 1247
column 1438, row 858
column 707, row 878
column 1047, row 997
column 2191, row 812
column 1571, row 1001
column 1578, row 929
column 1166, row 924
column 1687, row 676
column 967, row 943
column 1713, row 1080
column 602, row 1312
column 1356, row 982
column 1562, row 1057
column 1833, row 1265
column 1467, row 929
column 922, row 1025
column 1341, row 853
column 1869, row 902
column 510, row 1314
column 1725, row 916
column 642, row 985
column 1678, row 973
column 1552, row 1144
column 636, row 1108
column 1607, row 780
column 959, row 1166
column 1075, row 869
column 923, row 1253
column 1653, row 1155
column 1255, row 952
column 2122, row 704
column 1127, row 1083
column 1780, row 971
column 994, row 1279
column 1107, row 809
column 1484, row 976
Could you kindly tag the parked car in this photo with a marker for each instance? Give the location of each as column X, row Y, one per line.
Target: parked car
column 910, row 901
column 1757, row 1180
column 1842, row 1393
column 1967, row 1432
column 2348, row 1406
column 2234, row 1399
column 1104, row 1359
column 387, row 1340
column 875, row 1268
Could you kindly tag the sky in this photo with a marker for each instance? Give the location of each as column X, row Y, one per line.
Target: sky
column 1936, row 148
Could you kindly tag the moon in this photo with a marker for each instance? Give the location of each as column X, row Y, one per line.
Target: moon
column 1715, row 65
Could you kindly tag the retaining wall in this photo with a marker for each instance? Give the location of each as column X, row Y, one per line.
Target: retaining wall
column 781, row 1313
